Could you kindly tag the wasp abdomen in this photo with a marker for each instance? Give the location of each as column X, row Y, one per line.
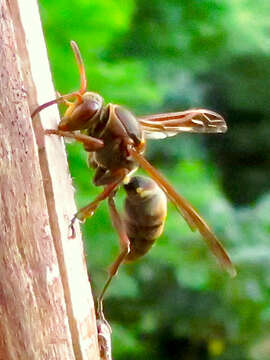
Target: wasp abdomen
column 145, row 214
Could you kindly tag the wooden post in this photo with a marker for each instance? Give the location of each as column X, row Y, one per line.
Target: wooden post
column 46, row 306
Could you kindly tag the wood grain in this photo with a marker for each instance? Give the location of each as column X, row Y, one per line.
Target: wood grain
column 46, row 306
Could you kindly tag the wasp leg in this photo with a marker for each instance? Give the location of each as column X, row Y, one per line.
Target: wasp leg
column 89, row 209
column 104, row 339
column 124, row 250
column 90, row 143
column 104, row 177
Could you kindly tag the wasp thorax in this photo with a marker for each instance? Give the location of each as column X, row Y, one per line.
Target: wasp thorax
column 79, row 115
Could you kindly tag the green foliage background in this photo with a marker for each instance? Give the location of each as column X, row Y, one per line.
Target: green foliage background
column 154, row 56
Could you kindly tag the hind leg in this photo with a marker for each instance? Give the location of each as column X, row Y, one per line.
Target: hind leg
column 124, row 243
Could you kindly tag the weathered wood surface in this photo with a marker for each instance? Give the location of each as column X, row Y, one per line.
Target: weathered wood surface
column 46, row 307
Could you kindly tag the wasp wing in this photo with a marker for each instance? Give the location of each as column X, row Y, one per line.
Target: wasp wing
column 160, row 126
column 194, row 220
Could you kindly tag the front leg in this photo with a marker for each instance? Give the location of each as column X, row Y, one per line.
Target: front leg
column 90, row 143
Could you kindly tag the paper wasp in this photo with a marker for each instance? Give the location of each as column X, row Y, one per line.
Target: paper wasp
column 115, row 140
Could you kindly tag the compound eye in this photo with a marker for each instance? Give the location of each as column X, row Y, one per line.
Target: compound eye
column 88, row 109
column 80, row 115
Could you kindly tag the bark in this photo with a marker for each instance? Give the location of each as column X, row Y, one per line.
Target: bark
column 46, row 306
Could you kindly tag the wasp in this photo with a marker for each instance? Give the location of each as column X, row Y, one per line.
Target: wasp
column 115, row 141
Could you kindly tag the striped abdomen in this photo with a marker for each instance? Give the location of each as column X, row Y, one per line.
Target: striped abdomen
column 144, row 216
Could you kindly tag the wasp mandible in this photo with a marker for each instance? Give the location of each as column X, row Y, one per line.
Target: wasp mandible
column 115, row 142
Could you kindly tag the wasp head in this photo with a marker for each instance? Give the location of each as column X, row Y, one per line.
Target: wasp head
column 80, row 114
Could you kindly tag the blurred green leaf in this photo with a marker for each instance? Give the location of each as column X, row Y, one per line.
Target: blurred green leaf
column 155, row 56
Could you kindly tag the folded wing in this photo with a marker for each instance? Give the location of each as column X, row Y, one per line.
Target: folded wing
column 194, row 220
column 160, row 126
